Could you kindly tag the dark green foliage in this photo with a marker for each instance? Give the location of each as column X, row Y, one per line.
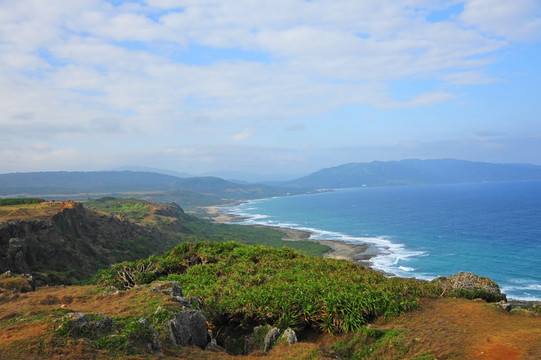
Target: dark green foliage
column 244, row 286
column 4, row 202
column 476, row 293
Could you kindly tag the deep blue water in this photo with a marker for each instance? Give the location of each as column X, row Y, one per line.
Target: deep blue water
column 491, row 229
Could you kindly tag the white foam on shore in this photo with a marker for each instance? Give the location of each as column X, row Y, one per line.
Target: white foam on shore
column 532, row 290
column 387, row 256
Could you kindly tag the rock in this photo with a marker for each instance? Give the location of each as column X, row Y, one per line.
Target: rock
column 470, row 286
column 183, row 301
column 189, row 328
column 176, row 291
column 289, row 336
column 153, row 347
column 79, row 324
column 506, row 306
column 16, row 253
column 104, row 326
column 270, row 338
column 212, row 345
column 78, row 320
column 111, row 290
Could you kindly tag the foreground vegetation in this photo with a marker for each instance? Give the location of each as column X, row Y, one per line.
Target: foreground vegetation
column 339, row 310
column 244, row 286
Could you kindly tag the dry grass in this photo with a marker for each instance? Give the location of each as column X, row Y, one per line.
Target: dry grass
column 44, row 210
column 462, row 329
column 443, row 328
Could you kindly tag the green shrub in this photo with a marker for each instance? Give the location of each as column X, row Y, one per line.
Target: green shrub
column 244, row 286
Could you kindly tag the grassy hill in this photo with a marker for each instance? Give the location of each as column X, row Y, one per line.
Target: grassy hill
column 354, row 314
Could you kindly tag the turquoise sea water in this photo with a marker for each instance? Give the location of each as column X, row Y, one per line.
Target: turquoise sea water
column 491, row 229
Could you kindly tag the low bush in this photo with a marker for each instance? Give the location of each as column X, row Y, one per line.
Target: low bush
column 245, row 286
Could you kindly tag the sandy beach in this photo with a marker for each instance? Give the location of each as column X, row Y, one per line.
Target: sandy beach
column 358, row 253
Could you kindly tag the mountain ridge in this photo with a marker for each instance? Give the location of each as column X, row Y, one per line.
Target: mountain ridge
column 415, row 172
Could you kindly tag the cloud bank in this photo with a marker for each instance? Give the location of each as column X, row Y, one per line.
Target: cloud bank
column 123, row 77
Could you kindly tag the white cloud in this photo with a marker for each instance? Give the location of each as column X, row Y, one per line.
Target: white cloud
column 86, row 70
column 514, row 20
column 246, row 134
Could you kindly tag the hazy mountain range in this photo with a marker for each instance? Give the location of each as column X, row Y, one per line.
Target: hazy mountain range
column 192, row 191
column 415, row 172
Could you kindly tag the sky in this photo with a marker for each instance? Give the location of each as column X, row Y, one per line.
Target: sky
column 268, row 87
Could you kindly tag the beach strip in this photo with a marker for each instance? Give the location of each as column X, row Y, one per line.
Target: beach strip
column 358, row 253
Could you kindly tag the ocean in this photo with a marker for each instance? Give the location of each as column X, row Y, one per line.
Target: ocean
column 491, row 229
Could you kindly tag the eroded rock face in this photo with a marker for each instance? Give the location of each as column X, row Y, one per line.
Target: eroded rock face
column 471, row 286
column 189, row 328
column 16, row 253
column 154, row 346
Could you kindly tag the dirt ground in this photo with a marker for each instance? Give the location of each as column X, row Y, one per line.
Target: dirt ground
column 445, row 328
column 463, row 329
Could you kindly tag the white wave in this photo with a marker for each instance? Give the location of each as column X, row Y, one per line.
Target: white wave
column 388, row 256
column 405, row 268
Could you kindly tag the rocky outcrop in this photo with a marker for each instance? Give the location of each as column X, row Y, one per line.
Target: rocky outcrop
column 75, row 242
column 172, row 210
column 470, row 286
column 137, row 337
column 78, row 324
column 189, row 328
column 152, row 345
column 262, row 338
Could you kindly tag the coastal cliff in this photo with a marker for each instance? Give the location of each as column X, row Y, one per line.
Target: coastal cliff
column 67, row 242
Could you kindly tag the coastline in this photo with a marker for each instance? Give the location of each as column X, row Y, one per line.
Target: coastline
column 357, row 253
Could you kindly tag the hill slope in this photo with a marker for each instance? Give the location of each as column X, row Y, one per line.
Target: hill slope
column 66, row 242
column 187, row 192
column 415, row 172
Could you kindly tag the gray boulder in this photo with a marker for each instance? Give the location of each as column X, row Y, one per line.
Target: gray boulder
column 79, row 324
column 290, row 336
column 270, row 338
column 154, row 346
column 176, row 291
column 189, row 328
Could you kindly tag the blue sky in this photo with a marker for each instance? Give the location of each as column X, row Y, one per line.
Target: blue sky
column 270, row 87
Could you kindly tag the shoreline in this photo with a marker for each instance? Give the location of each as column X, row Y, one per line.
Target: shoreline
column 341, row 250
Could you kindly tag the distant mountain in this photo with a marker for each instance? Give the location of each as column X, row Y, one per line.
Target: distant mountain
column 243, row 177
column 415, row 172
column 187, row 192
column 154, row 170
